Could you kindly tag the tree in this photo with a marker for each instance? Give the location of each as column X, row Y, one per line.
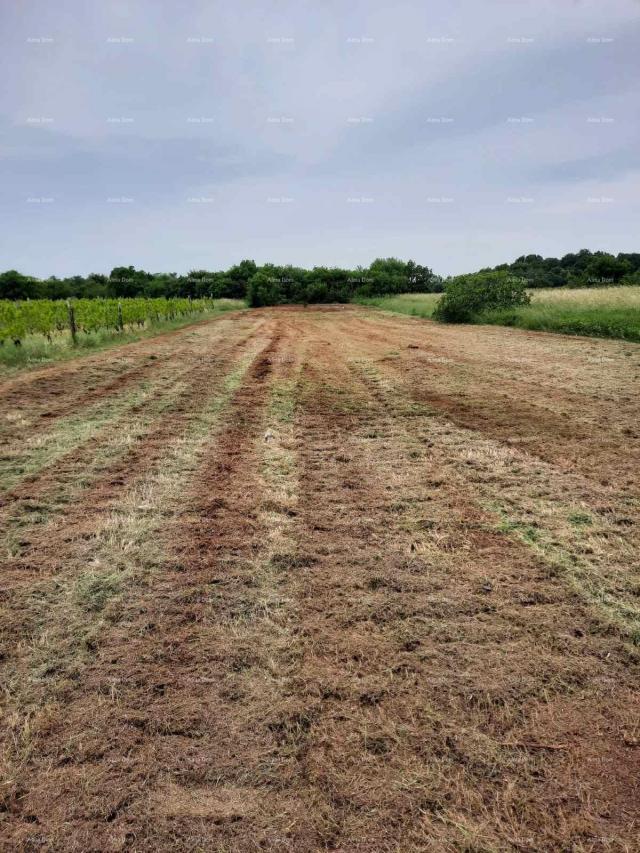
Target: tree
column 238, row 278
column 14, row 285
column 128, row 281
column 420, row 279
column 96, row 285
column 386, row 275
column 328, row 284
column 605, row 269
column 277, row 285
column 54, row 288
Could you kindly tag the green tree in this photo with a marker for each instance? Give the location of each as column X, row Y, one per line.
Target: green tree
column 237, row 279
column 14, row 285
column 604, row 269
column 128, row 281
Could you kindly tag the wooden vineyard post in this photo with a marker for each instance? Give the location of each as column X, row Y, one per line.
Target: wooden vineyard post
column 72, row 322
column 120, row 323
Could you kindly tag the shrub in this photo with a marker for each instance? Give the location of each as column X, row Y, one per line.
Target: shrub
column 466, row 296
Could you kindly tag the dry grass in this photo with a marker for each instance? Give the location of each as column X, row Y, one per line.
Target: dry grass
column 27, row 457
column 588, row 297
column 365, row 584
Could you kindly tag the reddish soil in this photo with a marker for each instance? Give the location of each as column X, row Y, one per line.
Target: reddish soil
column 355, row 583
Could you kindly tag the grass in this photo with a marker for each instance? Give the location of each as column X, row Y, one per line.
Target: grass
column 36, row 350
column 584, row 549
column 311, row 611
column 93, row 590
column 572, row 556
column 72, row 610
column 414, row 304
column 601, row 312
column 36, row 453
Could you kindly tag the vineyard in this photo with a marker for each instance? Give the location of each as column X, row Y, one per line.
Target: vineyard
column 46, row 317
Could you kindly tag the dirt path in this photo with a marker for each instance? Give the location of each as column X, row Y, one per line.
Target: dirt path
column 324, row 579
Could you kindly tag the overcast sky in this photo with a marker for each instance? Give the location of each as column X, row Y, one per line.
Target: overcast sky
column 177, row 135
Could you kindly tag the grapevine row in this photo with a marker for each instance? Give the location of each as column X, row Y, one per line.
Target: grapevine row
column 47, row 316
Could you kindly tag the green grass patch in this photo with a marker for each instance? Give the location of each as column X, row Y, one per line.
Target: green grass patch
column 94, row 590
column 283, row 401
column 526, row 531
column 413, row 304
column 580, row 519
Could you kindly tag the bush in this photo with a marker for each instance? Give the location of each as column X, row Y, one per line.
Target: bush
column 466, row 296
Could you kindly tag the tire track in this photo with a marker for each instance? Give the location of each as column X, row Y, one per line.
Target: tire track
column 419, row 621
column 33, row 400
column 112, row 668
column 101, row 468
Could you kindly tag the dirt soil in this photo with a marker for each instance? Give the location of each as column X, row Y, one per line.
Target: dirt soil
column 322, row 579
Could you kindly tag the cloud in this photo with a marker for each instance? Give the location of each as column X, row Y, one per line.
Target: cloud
column 391, row 129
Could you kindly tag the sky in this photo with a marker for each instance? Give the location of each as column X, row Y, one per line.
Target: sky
column 190, row 135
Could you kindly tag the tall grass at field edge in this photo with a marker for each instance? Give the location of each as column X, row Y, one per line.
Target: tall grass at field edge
column 602, row 312
column 590, row 321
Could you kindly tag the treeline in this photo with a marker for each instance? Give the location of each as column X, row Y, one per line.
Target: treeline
column 260, row 285
column 273, row 285
column 579, row 269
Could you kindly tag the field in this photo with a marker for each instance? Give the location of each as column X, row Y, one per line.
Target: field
column 305, row 579
column 606, row 312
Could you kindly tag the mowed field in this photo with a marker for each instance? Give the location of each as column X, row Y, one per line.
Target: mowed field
column 305, row 579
